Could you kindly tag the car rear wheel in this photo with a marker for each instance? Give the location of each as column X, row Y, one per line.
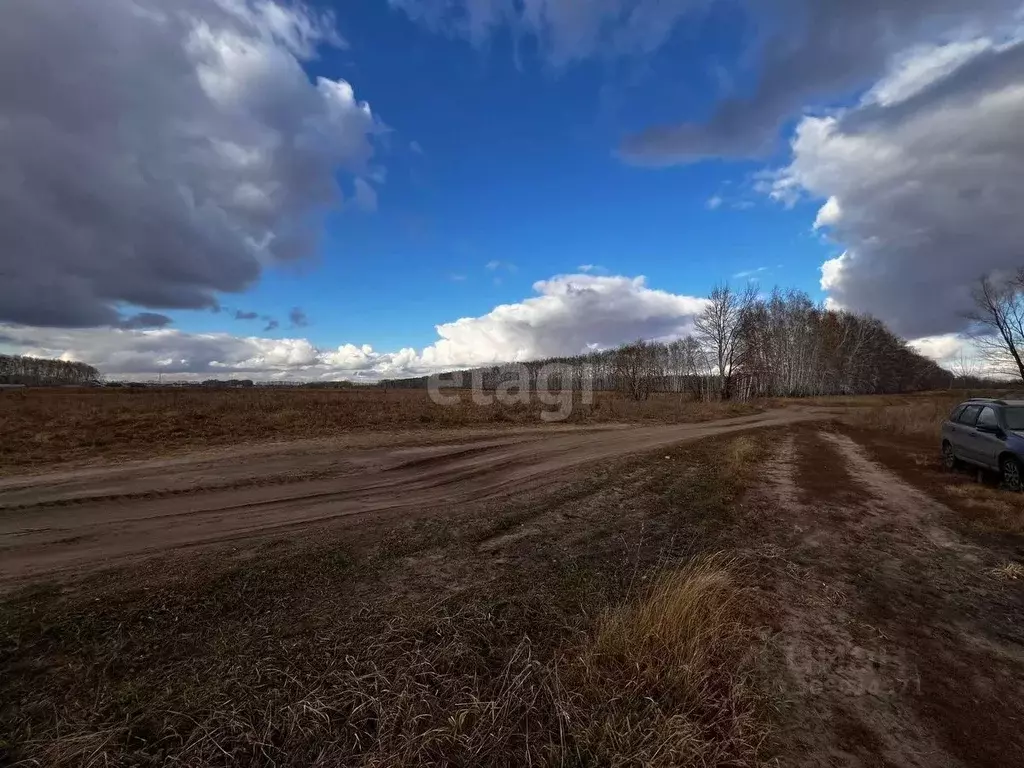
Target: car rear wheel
column 1011, row 473
column 948, row 456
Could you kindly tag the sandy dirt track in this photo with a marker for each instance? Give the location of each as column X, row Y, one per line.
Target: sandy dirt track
column 901, row 646
column 74, row 521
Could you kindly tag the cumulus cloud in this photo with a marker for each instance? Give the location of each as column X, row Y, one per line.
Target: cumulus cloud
column 829, row 214
column 155, row 154
column 961, row 356
column 564, row 30
column 569, row 315
column 812, row 50
column 148, row 353
column 947, row 348
column 921, row 184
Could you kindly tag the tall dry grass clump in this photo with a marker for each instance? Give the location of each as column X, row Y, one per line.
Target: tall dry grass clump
column 664, row 680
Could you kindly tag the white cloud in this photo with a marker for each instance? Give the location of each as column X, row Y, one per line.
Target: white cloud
column 961, row 356
column 563, row 30
column 569, row 315
column 922, row 185
column 832, row 271
column 365, row 195
column 808, row 51
column 942, row 349
column 751, row 274
column 829, row 215
column 157, row 154
column 714, row 203
column 921, row 66
column 501, row 266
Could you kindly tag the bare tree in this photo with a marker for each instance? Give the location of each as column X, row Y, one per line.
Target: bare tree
column 782, row 345
column 719, row 329
column 999, row 322
column 963, row 368
column 638, row 368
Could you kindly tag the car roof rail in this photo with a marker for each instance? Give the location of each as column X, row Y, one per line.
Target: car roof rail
column 992, row 400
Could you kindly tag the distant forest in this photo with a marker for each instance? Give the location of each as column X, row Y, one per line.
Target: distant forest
column 37, row 371
column 747, row 346
column 742, row 346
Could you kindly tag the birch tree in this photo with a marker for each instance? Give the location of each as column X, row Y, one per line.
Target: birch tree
column 718, row 327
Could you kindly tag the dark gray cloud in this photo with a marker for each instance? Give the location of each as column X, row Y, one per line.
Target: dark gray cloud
column 242, row 315
column 809, row 51
column 155, row 154
column 271, row 324
column 800, row 52
column 922, row 183
column 144, row 320
column 298, row 318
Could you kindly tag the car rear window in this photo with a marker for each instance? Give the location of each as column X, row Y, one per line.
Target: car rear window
column 1014, row 418
column 969, row 415
column 956, row 412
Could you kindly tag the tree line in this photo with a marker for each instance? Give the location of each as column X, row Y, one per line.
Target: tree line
column 742, row 346
column 38, row 371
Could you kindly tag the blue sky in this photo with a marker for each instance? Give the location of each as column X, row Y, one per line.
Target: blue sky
column 431, row 185
column 497, row 157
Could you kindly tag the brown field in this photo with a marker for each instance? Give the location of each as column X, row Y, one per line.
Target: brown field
column 48, row 426
column 308, row 578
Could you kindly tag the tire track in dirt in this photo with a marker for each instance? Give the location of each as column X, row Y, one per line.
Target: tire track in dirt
column 77, row 521
column 874, row 603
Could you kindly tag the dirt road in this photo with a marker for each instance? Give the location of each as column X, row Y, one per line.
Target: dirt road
column 73, row 521
column 902, row 645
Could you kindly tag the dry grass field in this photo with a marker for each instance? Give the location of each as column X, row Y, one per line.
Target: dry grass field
column 919, row 415
column 653, row 584
column 592, row 625
column 47, row 426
